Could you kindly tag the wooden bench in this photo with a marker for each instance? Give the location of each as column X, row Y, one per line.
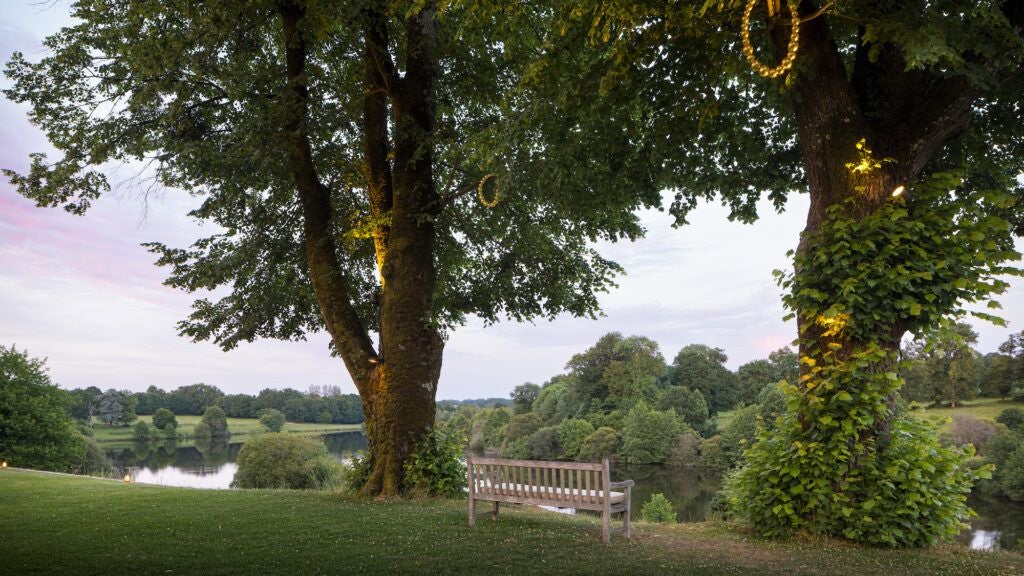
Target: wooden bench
column 579, row 485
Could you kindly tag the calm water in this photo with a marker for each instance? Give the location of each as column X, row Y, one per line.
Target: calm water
column 999, row 525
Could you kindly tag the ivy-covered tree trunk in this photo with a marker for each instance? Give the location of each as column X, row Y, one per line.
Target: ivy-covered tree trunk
column 865, row 139
column 397, row 383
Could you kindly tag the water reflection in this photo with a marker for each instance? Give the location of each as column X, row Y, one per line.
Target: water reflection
column 207, row 464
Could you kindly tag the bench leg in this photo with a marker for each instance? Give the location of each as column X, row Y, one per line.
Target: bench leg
column 606, row 528
column 472, row 512
column 495, row 512
column 629, row 505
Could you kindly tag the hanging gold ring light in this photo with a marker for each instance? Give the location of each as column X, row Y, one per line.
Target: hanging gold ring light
column 497, row 191
column 794, row 39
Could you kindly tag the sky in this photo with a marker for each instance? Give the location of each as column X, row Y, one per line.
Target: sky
column 83, row 293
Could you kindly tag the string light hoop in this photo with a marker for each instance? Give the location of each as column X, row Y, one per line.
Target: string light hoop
column 791, row 49
column 497, row 191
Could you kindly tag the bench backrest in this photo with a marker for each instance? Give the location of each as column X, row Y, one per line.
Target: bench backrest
column 583, row 485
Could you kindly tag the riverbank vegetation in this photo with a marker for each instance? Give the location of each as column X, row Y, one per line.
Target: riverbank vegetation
column 226, row 532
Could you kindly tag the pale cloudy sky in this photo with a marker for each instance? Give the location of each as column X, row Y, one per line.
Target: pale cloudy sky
column 82, row 292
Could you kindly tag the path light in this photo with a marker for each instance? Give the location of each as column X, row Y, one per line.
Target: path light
column 127, row 478
column 3, row 463
column 899, row 190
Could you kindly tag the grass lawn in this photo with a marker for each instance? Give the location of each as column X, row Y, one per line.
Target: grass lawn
column 56, row 524
column 987, row 408
column 237, row 427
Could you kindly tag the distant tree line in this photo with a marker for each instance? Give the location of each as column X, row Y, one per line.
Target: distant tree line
column 321, row 404
column 621, row 399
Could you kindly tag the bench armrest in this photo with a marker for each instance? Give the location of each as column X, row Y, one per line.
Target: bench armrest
column 623, row 484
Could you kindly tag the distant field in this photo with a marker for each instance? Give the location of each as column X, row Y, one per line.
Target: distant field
column 987, row 408
column 237, row 427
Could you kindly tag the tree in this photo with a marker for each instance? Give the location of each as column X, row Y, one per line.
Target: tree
column 901, row 122
column 688, row 404
column 996, row 375
column 336, row 144
column 703, row 368
column 193, row 399
column 523, row 397
column 35, row 430
column 163, row 418
column 237, row 405
column 787, row 363
column 615, row 373
column 272, row 419
column 647, row 435
column 117, row 408
column 944, row 365
column 214, row 424
column 752, row 377
column 150, row 401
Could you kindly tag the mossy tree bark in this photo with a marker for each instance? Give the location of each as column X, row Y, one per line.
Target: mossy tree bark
column 398, row 382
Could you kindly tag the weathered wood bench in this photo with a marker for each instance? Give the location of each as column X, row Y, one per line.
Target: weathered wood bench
column 579, row 485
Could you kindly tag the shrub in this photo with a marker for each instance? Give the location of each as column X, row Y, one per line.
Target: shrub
column 603, row 443
column 648, row 434
column 202, row 430
column 141, row 431
column 999, row 451
column 217, row 420
column 435, row 467
column 1011, row 477
column 171, row 432
column 685, row 450
column 272, row 419
column 164, row 417
column 966, row 429
column 571, row 434
column 773, row 404
column 658, row 509
column 1012, row 418
column 284, row 461
column 355, row 474
column 324, row 417
column 913, row 493
column 543, row 444
column 713, row 459
column 739, row 433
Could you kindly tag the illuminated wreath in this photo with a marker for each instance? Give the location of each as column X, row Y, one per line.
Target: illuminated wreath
column 497, row 191
column 794, row 39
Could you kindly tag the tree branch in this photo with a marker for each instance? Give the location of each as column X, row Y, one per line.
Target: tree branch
column 332, row 292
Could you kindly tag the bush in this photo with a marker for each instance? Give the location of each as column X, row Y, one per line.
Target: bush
column 603, row 443
column 739, row 433
column 1011, row 476
column 141, row 432
column 271, row 419
column 163, row 418
column 285, row 461
column 685, row 450
column 171, row 432
column 648, row 434
column 1012, row 418
column 202, row 430
column 35, row 429
column 773, row 404
column 543, row 444
column 658, row 509
column 355, row 474
column 913, row 493
column 713, row 460
column 215, row 418
column 571, row 434
column 436, row 467
column 999, row 451
column 966, row 429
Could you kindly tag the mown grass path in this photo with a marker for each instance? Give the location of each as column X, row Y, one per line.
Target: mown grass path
column 55, row 524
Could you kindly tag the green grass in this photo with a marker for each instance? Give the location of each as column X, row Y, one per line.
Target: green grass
column 986, row 408
column 237, row 427
column 56, row 524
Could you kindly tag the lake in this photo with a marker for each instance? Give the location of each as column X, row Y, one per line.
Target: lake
column 999, row 525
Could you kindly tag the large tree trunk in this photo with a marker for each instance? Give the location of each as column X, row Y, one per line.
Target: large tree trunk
column 397, row 383
column 902, row 117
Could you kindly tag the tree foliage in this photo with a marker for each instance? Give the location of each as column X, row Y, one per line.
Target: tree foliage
column 35, row 429
column 703, row 368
